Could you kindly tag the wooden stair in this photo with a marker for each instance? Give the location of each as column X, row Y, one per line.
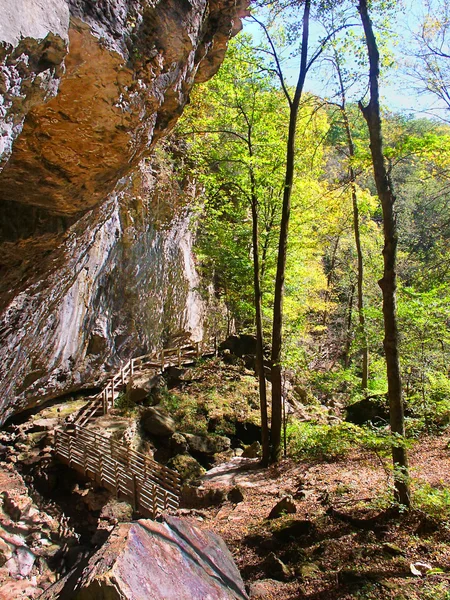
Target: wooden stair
column 132, row 476
column 159, row 361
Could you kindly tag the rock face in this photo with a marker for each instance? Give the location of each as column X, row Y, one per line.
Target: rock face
column 95, row 246
column 156, row 561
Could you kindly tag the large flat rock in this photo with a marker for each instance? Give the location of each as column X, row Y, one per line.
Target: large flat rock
column 147, row 560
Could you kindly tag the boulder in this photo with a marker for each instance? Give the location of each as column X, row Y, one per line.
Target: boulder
column 200, row 497
column 207, row 444
column 187, row 467
column 178, row 444
column 368, row 409
column 252, row 451
column 156, row 421
column 146, row 560
column 276, row 568
column 265, row 588
column 294, row 530
column 143, row 387
column 285, row 506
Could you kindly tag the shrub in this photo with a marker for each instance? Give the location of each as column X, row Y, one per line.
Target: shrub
column 433, row 501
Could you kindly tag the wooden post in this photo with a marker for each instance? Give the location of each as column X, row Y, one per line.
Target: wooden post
column 112, row 394
column 70, row 450
column 215, row 346
column 101, row 468
column 197, row 346
column 132, row 367
column 135, row 490
column 179, row 357
column 105, row 401
column 85, row 460
column 154, row 502
column 162, row 360
column 116, row 479
column 122, row 375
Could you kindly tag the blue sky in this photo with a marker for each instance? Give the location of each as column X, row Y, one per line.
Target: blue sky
column 397, row 89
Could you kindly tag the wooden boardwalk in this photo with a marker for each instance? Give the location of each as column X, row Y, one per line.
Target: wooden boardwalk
column 169, row 357
column 148, row 486
column 132, row 476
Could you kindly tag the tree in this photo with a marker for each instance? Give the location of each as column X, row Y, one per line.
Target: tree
column 432, row 67
column 356, row 219
column 388, row 283
column 245, row 137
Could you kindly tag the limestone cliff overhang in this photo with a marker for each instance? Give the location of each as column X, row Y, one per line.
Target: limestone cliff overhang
column 89, row 87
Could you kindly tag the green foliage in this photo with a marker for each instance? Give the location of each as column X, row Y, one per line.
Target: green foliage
column 330, row 442
column 124, row 404
column 435, row 501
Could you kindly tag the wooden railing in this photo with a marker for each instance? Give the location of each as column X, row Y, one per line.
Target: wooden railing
column 168, row 357
column 132, row 476
column 104, row 400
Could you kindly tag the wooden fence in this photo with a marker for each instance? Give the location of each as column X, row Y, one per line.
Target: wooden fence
column 148, row 486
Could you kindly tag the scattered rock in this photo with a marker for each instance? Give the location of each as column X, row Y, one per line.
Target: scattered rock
column 129, row 565
column 276, row 568
column 178, row 444
column 156, row 421
column 309, row 571
column 235, row 495
column 294, row 530
column 252, row 451
column 199, row 497
column 285, row 506
column 392, row 549
column 207, row 444
column 186, row 465
column 265, row 588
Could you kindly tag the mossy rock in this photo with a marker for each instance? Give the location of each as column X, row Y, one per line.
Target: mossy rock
column 188, row 468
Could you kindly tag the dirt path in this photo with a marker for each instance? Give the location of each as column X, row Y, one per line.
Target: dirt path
column 329, row 558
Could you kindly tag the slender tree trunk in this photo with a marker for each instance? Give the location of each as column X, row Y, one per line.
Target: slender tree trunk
column 329, row 281
column 356, row 229
column 361, row 316
column 348, row 332
column 388, row 283
column 259, row 331
column 282, row 247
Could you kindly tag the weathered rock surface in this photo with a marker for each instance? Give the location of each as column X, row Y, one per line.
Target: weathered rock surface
column 187, row 467
column 284, row 507
column 141, row 387
column 159, row 561
column 95, row 249
column 207, row 444
column 156, row 421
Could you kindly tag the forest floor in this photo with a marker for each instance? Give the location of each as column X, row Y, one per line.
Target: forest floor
column 326, row 557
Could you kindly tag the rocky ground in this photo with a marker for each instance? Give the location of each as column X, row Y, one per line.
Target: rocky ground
column 332, row 537
column 325, row 548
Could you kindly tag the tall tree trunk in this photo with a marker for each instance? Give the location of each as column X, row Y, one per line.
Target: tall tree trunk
column 282, row 247
column 388, row 283
column 348, row 332
column 356, row 230
column 259, row 330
